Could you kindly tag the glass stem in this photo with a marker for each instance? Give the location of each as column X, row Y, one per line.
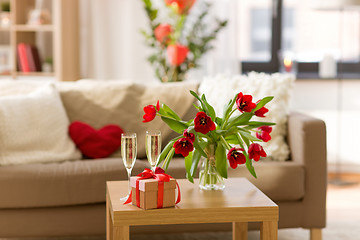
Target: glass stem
column 129, row 175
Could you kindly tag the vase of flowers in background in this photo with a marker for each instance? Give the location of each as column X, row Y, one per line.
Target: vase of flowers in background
column 231, row 140
column 178, row 43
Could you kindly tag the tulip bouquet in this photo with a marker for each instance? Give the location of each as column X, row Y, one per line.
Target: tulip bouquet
column 178, row 44
column 232, row 139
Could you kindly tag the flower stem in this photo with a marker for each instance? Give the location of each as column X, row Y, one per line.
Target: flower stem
column 167, row 159
column 227, row 118
column 225, row 142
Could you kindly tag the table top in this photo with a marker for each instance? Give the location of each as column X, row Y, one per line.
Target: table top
column 239, row 201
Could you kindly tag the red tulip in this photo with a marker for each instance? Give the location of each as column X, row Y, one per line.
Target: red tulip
column 162, row 33
column 183, row 6
column 261, row 112
column 203, row 123
column 150, row 112
column 235, row 157
column 188, row 135
column 159, row 170
column 256, row 151
column 183, row 146
column 176, row 54
column 244, row 103
column 264, row 133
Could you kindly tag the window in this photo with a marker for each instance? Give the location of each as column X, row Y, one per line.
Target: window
column 300, row 27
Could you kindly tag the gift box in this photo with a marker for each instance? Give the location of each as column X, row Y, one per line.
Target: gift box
column 152, row 193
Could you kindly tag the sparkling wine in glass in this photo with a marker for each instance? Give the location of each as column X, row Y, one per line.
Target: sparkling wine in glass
column 128, row 154
column 153, row 147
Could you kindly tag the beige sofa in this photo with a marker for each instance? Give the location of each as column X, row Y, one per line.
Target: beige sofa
column 68, row 198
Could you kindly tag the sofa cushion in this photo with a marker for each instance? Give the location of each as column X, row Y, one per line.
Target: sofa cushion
column 83, row 182
column 33, row 128
column 281, row 181
column 221, row 88
column 99, row 103
column 95, row 143
column 116, row 102
column 60, row 184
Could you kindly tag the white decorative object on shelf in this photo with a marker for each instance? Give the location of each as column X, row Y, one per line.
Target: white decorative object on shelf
column 5, row 19
column 327, row 67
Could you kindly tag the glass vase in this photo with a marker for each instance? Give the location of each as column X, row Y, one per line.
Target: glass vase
column 209, row 178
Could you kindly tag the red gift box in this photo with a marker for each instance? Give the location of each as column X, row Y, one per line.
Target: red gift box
column 153, row 190
column 152, row 193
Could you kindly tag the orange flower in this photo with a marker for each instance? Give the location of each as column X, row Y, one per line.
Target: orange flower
column 176, row 54
column 162, row 33
column 183, row 6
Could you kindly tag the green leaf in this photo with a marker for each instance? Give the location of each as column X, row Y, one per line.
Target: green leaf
column 231, row 139
column 171, row 113
column 209, row 108
column 247, row 135
column 190, row 122
column 203, row 106
column 147, row 3
column 188, row 163
column 247, row 142
column 168, row 158
column 195, row 162
column 250, row 166
column 197, row 107
column 153, row 15
column 240, row 120
column 195, row 95
column 175, row 125
column 166, row 150
column 229, row 106
column 219, row 131
column 199, row 148
column 218, row 121
column 221, row 163
column 259, row 124
column 240, row 141
column 262, row 103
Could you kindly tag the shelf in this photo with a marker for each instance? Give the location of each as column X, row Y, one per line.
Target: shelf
column 4, row 29
column 58, row 40
column 33, row 28
column 39, row 74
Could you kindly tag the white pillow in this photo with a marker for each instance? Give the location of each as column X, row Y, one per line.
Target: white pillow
column 34, row 128
column 221, row 88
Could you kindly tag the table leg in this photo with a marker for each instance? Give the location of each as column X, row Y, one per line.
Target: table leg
column 269, row 230
column 109, row 223
column 240, row 230
column 121, row 233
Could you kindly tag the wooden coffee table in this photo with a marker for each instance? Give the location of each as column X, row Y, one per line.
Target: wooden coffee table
column 241, row 202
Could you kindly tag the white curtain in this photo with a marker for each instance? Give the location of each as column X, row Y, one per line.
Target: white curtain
column 112, row 46
column 224, row 59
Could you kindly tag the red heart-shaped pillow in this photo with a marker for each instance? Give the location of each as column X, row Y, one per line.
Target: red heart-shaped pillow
column 95, row 143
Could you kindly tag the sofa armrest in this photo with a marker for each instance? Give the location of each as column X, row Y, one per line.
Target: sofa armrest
column 307, row 141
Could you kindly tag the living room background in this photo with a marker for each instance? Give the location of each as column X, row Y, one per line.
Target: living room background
column 112, row 46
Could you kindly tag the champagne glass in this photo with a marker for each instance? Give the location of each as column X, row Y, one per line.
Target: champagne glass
column 128, row 153
column 153, row 147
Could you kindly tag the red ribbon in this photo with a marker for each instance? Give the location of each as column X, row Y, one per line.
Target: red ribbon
column 161, row 178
